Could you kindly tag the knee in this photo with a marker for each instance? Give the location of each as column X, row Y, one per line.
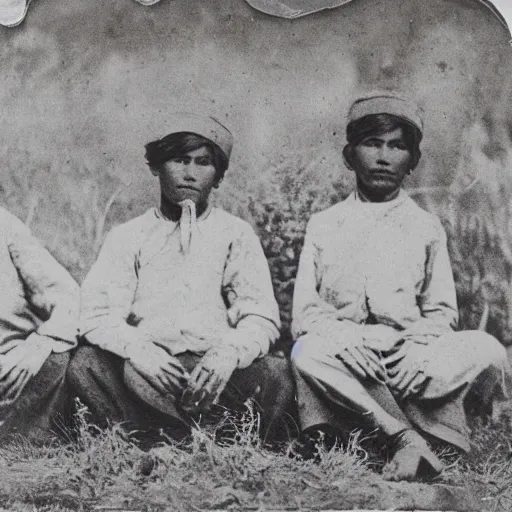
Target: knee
column 496, row 352
column 58, row 364
column 301, row 354
column 84, row 362
column 277, row 372
column 488, row 350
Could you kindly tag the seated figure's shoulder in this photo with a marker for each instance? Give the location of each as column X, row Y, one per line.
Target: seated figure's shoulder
column 134, row 231
column 11, row 225
column 424, row 221
column 231, row 224
column 325, row 221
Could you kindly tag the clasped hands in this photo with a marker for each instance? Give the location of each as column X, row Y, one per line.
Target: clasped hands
column 20, row 360
column 200, row 388
column 402, row 370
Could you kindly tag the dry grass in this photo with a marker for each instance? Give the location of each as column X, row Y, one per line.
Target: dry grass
column 107, row 469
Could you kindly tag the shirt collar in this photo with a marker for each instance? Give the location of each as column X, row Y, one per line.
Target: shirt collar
column 159, row 215
column 400, row 198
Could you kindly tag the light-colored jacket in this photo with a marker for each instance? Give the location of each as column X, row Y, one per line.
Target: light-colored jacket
column 37, row 293
column 143, row 288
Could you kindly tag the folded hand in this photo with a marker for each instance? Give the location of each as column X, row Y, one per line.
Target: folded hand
column 406, row 369
column 359, row 358
column 20, row 360
column 161, row 369
column 209, row 378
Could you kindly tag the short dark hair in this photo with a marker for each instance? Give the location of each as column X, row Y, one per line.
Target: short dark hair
column 178, row 144
column 378, row 124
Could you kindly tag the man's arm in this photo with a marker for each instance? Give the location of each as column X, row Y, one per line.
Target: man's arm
column 312, row 314
column 438, row 299
column 53, row 295
column 438, row 305
column 49, row 288
column 107, row 295
column 253, row 314
column 252, row 307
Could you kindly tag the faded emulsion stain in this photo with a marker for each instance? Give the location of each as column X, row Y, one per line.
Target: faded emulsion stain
column 93, row 77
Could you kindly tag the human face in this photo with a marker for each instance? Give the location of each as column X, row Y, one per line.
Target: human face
column 190, row 176
column 381, row 163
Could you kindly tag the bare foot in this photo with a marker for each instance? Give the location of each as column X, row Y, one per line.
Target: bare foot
column 412, row 458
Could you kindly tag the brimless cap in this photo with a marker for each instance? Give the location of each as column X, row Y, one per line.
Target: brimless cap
column 205, row 126
column 386, row 103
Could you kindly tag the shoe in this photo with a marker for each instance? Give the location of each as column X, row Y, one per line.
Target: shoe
column 13, row 12
column 412, row 458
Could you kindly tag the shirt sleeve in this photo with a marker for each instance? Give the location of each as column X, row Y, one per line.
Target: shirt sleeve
column 107, row 296
column 252, row 309
column 438, row 299
column 49, row 288
column 312, row 314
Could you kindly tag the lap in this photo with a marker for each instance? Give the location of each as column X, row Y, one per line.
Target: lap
column 459, row 347
column 451, row 361
column 51, row 375
column 265, row 376
column 264, row 371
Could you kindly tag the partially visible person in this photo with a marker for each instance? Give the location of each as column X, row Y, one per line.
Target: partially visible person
column 13, row 12
column 179, row 311
column 38, row 327
column 375, row 308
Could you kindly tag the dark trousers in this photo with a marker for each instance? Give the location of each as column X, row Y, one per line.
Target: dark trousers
column 98, row 378
column 42, row 412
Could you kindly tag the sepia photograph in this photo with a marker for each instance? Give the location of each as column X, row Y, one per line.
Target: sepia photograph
column 257, row 255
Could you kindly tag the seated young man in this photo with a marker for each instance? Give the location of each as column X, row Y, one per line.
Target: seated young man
column 179, row 309
column 38, row 327
column 375, row 307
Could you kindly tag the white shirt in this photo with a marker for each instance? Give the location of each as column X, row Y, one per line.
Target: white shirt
column 144, row 288
column 384, row 262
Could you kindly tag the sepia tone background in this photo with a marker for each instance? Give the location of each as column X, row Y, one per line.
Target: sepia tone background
column 84, row 85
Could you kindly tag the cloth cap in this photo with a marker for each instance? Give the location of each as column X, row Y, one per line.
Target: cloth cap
column 205, row 126
column 386, row 103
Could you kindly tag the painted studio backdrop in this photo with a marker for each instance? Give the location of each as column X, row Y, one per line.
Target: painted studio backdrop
column 85, row 84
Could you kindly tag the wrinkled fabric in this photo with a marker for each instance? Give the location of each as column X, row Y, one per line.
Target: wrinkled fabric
column 42, row 413
column 381, row 263
column 463, row 366
column 144, row 288
column 38, row 294
column 386, row 265
column 100, row 379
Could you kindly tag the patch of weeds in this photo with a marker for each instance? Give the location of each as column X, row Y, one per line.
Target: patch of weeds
column 487, row 470
column 227, row 465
